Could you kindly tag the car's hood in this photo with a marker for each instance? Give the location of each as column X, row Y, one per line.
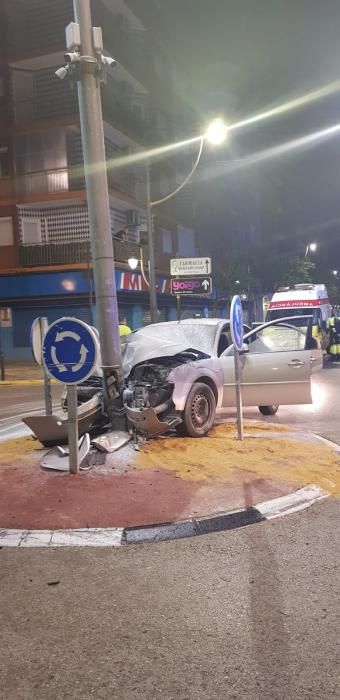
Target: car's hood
column 145, row 344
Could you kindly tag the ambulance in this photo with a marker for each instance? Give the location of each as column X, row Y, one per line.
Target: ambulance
column 301, row 300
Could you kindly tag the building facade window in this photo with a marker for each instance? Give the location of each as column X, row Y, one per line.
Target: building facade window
column 31, row 231
column 6, row 231
column 167, row 241
column 186, row 242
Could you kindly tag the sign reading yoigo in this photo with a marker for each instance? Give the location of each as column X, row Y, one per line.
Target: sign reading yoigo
column 191, row 285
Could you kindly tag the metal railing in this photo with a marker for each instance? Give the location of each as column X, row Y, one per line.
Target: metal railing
column 69, row 253
column 71, row 179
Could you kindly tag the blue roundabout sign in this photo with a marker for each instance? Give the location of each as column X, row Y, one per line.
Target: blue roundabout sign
column 70, row 350
column 236, row 322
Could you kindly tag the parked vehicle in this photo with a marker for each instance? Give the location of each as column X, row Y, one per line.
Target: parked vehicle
column 300, row 300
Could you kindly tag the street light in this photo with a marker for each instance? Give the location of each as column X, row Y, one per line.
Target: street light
column 335, row 272
column 216, row 134
column 133, row 263
column 311, row 247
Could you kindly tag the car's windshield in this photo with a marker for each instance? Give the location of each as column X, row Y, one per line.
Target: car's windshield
column 191, row 335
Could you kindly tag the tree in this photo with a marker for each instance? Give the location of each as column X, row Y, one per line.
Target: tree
column 294, row 270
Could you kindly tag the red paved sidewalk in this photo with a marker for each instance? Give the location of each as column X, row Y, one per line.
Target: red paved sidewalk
column 121, row 494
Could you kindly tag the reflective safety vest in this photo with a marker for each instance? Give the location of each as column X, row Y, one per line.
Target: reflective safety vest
column 124, row 329
column 334, row 348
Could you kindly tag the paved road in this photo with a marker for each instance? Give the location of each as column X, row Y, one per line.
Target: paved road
column 322, row 417
column 17, row 402
column 248, row 614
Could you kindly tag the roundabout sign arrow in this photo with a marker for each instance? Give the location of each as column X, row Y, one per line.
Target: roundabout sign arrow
column 70, row 350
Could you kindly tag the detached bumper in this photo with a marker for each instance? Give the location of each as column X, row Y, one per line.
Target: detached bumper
column 146, row 421
column 53, row 430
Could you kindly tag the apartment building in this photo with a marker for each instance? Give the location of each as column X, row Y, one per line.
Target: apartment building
column 45, row 261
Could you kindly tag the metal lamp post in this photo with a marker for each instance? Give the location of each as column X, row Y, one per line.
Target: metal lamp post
column 99, row 210
column 215, row 134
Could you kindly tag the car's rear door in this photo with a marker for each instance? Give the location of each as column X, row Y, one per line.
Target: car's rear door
column 275, row 370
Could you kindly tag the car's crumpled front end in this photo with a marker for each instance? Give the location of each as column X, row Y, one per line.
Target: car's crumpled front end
column 147, row 395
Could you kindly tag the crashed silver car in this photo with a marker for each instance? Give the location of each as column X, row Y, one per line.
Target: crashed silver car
column 180, row 374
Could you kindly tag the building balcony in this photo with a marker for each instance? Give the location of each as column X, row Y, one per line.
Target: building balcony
column 63, row 107
column 67, row 180
column 78, row 252
column 75, row 252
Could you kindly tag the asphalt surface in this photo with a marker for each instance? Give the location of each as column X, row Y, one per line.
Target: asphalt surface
column 252, row 613
column 19, row 401
column 322, row 417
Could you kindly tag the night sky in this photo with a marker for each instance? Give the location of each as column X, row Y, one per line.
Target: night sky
column 245, row 56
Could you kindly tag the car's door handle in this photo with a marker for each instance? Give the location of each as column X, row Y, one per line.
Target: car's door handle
column 296, row 363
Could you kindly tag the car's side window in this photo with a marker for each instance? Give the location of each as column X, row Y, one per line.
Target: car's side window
column 224, row 340
column 277, row 339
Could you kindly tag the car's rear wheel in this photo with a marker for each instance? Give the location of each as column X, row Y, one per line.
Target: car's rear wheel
column 268, row 410
column 199, row 412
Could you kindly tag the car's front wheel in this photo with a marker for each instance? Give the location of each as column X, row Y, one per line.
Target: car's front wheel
column 268, row 410
column 199, row 412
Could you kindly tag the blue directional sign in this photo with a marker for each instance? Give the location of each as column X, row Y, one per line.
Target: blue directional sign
column 236, row 322
column 70, row 350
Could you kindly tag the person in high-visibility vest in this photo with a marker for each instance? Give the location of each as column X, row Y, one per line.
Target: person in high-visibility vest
column 124, row 329
column 333, row 325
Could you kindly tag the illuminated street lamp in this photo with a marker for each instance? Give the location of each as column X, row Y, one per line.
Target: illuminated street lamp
column 216, row 132
column 335, row 272
column 133, row 263
column 311, row 247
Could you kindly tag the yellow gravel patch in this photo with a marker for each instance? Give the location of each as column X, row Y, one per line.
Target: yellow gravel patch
column 18, row 450
column 220, row 456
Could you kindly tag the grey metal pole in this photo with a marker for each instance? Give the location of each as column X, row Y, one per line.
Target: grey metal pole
column 2, row 359
column 152, row 263
column 72, row 421
column 99, row 213
column 43, row 322
column 238, row 394
column 178, row 307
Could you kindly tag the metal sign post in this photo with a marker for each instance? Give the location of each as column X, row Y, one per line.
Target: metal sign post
column 43, row 322
column 236, row 327
column 73, row 435
column 38, row 331
column 238, row 394
column 70, row 351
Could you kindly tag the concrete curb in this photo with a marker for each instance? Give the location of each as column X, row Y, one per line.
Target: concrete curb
column 116, row 537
